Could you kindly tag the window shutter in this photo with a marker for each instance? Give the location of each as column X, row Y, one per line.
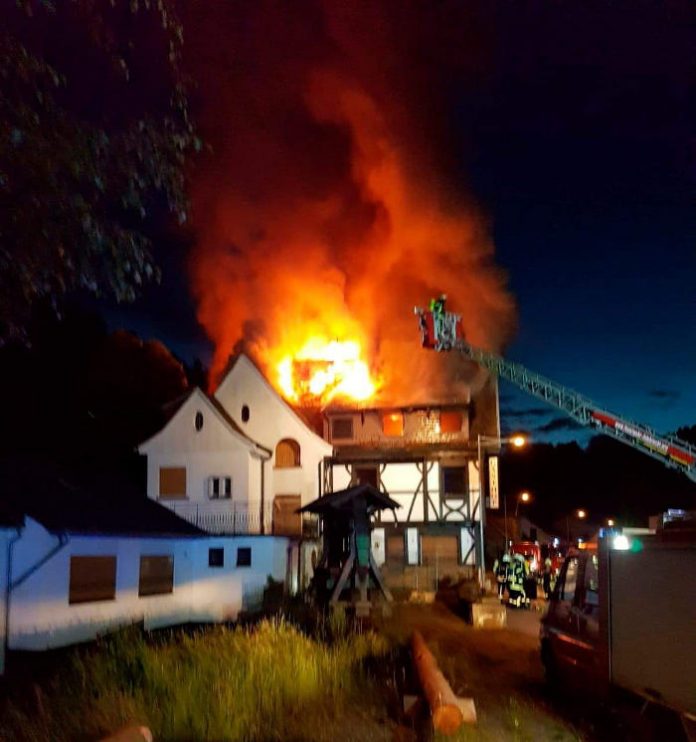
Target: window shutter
column 156, row 575
column 92, row 578
column 172, row 482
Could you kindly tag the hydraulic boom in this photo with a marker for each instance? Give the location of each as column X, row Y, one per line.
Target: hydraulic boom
column 442, row 331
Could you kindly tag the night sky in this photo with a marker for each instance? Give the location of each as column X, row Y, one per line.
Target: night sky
column 578, row 143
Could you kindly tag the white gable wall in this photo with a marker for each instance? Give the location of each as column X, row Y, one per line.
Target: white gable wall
column 214, row 450
column 271, row 420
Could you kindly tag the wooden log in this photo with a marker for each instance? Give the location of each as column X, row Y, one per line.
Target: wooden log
column 130, row 734
column 445, row 707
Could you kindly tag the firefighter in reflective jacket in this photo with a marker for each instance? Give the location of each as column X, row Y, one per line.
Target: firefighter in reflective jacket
column 501, row 568
column 518, row 596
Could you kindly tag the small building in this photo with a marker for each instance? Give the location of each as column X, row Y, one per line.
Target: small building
column 80, row 561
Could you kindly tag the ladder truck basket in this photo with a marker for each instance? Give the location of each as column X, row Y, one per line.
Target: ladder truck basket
column 440, row 330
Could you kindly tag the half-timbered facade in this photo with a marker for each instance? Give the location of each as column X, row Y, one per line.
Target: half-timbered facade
column 426, row 459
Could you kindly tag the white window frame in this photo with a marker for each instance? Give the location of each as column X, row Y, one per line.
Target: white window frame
column 224, row 491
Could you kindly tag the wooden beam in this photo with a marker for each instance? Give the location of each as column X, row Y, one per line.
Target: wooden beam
column 447, row 710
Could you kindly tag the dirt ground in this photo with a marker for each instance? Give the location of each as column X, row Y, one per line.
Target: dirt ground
column 500, row 670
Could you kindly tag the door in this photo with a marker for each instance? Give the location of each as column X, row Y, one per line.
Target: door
column 562, row 622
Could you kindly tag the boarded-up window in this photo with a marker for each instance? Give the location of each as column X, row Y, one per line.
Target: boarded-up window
column 172, row 482
column 454, row 481
column 287, row 454
column 342, row 427
column 395, row 548
column 156, row 575
column 438, row 549
column 450, row 422
column 393, row 423
column 286, row 520
column 92, row 578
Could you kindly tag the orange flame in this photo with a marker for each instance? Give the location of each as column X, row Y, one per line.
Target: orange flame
column 325, row 370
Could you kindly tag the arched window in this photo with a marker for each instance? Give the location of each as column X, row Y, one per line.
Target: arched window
column 287, row 454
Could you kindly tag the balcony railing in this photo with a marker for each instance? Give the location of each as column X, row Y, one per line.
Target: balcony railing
column 232, row 519
column 227, row 518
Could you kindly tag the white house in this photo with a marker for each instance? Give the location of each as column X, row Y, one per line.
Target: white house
column 242, row 461
column 80, row 562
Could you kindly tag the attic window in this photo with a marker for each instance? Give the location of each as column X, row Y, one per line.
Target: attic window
column 450, row 422
column 198, row 421
column 342, row 427
column 393, row 423
column 245, row 413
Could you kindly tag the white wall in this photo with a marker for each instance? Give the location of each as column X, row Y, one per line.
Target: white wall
column 215, row 450
column 41, row 617
column 271, row 420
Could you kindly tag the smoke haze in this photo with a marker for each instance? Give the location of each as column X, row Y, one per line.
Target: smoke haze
column 330, row 202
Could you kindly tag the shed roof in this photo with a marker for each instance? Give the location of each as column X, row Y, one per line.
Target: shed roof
column 344, row 499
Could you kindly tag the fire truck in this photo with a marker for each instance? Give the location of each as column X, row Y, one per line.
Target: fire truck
column 623, row 612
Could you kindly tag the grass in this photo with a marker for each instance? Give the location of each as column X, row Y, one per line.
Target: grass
column 262, row 683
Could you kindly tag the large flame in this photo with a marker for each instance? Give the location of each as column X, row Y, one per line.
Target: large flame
column 325, row 210
column 322, row 371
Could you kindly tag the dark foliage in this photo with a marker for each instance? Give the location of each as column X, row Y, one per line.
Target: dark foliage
column 608, row 479
column 94, row 132
column 79, row 394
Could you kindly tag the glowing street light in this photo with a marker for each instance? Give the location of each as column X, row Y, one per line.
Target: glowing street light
column 611, row 522
column 517, row 441
column 581, row 514
column 524, row 497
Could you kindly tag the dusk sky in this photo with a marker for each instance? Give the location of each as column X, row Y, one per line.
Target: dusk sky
column 578, row 143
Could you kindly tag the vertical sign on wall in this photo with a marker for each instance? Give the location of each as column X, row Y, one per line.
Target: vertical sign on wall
column 412, row 546
column 493, row 489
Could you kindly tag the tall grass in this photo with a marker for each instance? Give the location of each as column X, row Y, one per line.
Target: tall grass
column 269, row 682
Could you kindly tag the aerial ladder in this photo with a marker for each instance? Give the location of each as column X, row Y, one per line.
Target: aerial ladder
column 442, row 331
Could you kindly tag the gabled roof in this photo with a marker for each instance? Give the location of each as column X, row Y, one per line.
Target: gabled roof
column 102, row 502
column 344, row 499
column 172, row 408
column 305, row 421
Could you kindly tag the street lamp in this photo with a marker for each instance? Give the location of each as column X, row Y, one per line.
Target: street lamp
column 518, row 441
column 611, row 522
column 524, row 497
column 580, row 514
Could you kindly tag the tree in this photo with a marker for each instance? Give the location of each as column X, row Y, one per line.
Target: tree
column 94, row 134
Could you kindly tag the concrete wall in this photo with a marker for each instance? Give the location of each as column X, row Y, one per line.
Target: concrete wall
column 41, row 616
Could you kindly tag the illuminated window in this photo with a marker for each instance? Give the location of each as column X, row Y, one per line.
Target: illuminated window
column 342, row 427
column 220, row 488
column 450, row 422
column 92, row 578
column 287, row 454
column 156, row 575
column 393, row 423
column 172, row 482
